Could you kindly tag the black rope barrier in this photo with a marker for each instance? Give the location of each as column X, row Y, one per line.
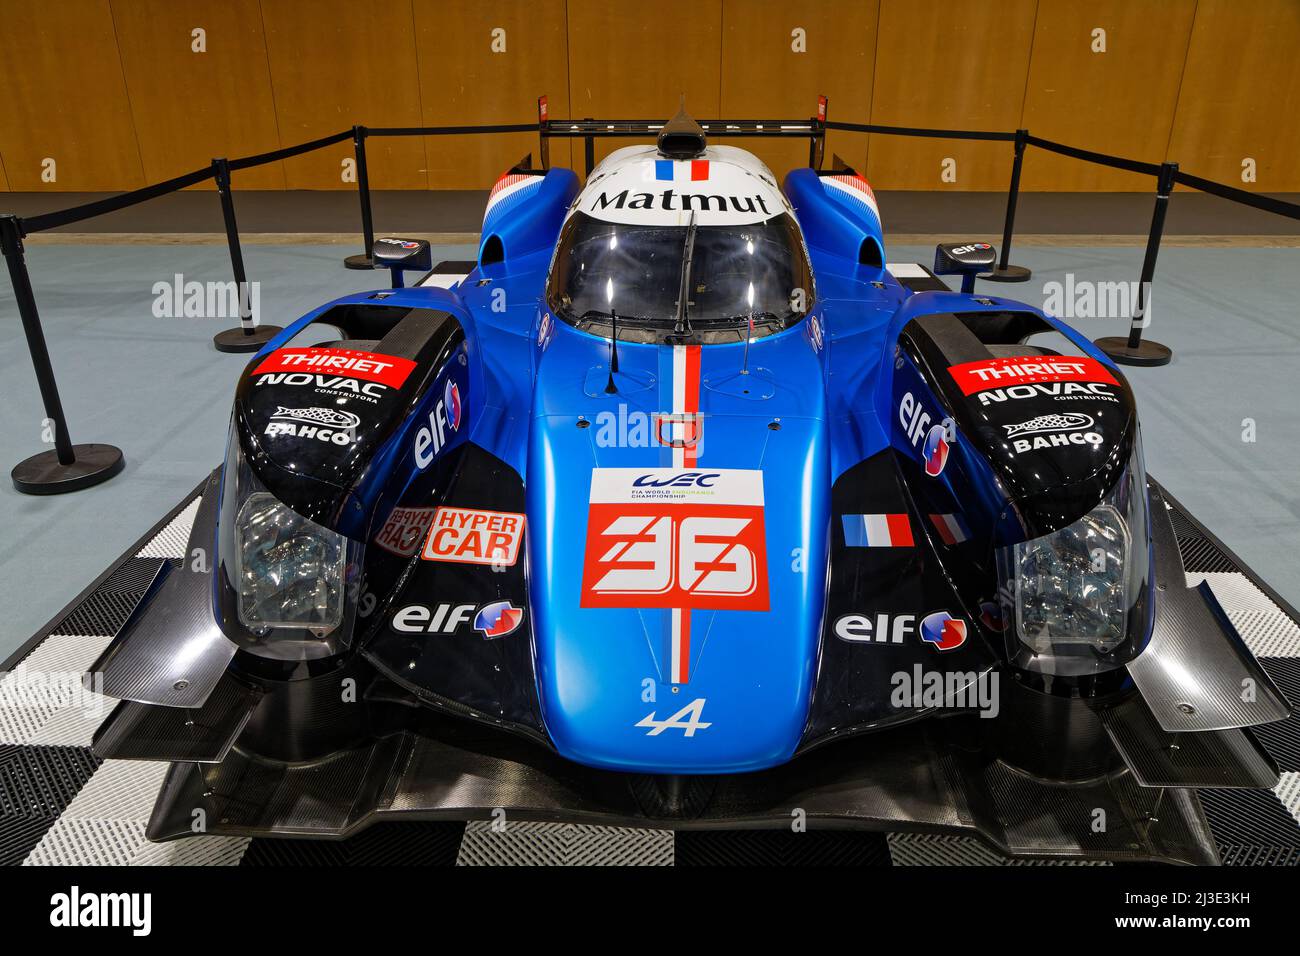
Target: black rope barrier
column 68, row 467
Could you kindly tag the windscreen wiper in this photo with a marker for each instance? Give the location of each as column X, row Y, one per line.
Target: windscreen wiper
column 683, row 323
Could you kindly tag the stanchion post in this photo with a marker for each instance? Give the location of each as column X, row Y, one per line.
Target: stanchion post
column 1132, row 350
column 248, row 336
column 366, row 259
column 67, row 467
column 817, row 142
column 1005, row 272
column 589, row 150
column 543, row 132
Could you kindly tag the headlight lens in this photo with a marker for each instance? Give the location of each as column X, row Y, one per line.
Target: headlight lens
column 289, row 570
column 1078, row 596
column 1071, row 586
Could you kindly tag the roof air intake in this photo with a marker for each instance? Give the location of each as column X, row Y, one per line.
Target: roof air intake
column 681, row 137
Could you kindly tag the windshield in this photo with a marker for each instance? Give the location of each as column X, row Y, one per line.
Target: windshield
column 730, row 272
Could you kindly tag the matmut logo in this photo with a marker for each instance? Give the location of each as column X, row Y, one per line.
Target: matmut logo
column 984, row 374
column 668, row 538
column 390, row 370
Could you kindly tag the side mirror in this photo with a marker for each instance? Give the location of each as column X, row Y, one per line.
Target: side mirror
column 398, row 255
column 966, row 259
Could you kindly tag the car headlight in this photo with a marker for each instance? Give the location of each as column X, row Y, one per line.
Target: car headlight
column 289, row 570
column 1077, row 597
column 287, row 588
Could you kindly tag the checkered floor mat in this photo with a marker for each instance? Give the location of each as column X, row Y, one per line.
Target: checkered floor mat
column 59, row 804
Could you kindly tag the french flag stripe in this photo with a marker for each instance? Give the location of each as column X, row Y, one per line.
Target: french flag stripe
column 950, row 528
column 877, row 531
column 699, row 169
column 681, row 645
column 664, row 170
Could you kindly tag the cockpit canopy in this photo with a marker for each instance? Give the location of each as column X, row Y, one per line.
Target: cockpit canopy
column 648, row 232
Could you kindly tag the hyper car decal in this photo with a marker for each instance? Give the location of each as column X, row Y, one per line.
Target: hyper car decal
column 404, row 531
column 989, row 373
column 471, row 536
column 877, row 531
column 389, row 370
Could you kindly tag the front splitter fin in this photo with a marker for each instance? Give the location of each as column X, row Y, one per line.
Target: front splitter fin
column 171, row 651
column 1196, row 673
column 909, row 780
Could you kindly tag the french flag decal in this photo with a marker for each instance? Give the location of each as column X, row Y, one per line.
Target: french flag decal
column 952, row 530
column 877, row 531
column 666, row 170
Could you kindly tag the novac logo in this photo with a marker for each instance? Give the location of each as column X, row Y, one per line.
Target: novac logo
column 447, row 414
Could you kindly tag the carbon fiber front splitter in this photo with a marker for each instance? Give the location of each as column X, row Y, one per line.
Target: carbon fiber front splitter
column 907, row 780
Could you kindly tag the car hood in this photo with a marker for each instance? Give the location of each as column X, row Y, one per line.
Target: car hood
column 678, row 541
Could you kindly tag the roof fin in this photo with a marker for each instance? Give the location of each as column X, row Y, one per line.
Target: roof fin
column 681, row 137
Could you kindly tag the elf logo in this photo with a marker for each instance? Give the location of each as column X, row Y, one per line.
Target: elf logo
column 941, row 629
column 445, row 417
column 491, row 620
column 939, row 437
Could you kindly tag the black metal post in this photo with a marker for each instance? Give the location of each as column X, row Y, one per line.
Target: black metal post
column 364, row 260
column 67, row 467
column 248, row 336
column 817, row 142
column 543, row 130
column 589, row 151
column 1132, row 350
column 1005, row 272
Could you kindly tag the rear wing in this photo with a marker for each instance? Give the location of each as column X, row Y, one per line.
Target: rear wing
column 589, row 130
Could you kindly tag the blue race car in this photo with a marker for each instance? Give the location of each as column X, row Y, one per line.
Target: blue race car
column 683, row 508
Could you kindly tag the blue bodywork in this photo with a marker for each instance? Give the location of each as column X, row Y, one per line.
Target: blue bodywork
column 811, row 403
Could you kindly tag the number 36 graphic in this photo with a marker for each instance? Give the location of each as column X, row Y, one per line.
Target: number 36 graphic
column 701, row 556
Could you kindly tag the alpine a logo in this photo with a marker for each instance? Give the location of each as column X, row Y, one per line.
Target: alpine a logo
column 1067, row 422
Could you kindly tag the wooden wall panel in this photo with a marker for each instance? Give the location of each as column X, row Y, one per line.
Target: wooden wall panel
column 62, row 97
column 190, row 107
column 1120, row 101
column 1241, row 94
column 4, row 180
column 335, row 63
column 634, row 60
column 463, row 81
column 764, row 77
column 940, row 64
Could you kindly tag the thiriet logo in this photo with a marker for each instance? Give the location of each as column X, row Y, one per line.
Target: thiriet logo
column 78, row 909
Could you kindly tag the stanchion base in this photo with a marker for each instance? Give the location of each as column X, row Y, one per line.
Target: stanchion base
column 1146, row 353
column 359, row 261
column 43, row 474
column 237, row 340
column 1007, row 274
